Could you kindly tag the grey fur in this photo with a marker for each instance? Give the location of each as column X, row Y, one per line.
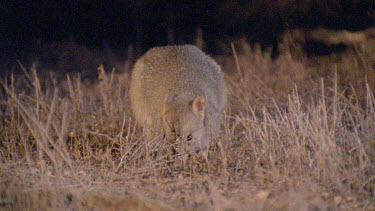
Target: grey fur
column 179, row 91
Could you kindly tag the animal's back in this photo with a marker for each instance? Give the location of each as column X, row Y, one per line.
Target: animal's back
column 181, row 71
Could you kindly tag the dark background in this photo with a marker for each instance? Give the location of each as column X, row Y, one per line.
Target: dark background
column 117, row 24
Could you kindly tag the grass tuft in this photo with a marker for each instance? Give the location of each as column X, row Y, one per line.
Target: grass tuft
column 290, row 139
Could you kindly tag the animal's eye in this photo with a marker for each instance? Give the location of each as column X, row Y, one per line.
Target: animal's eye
column 189, row 137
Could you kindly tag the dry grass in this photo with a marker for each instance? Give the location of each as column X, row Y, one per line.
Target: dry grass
column 289, row 140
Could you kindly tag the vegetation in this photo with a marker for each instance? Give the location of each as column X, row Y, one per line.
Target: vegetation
column 298, row 133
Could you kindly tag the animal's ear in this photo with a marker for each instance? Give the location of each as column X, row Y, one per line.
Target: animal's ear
column 167, row 102
column 199, row 105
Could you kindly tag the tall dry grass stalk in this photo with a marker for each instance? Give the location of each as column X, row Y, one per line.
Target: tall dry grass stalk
column 75, row 145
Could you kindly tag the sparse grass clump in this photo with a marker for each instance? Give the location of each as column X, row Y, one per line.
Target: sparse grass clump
column 75, row 145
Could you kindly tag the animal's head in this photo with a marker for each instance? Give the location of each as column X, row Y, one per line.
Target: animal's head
column 184, row 121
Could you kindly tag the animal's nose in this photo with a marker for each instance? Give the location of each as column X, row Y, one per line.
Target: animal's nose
column 196, row 149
